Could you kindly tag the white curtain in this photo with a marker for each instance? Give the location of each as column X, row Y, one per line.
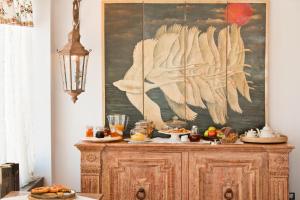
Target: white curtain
column 16, row 12
column 15, row 102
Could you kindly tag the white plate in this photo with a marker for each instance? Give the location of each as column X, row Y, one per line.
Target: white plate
column 105, row 139
column 137, row 142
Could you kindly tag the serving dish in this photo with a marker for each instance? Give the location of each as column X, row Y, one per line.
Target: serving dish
column 101, row 140
column 265, row 140
column 175, row 131
column 136, row 141
column 53, row 196
column 210, row 138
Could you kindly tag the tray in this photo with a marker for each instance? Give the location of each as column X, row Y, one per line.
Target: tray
column 105, row 139
column 53, row 196
column 273, row 140
column 32, row 198
column 137, row 142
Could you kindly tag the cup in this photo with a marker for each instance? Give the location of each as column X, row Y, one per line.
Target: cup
column 184, row 138
column 251, row 133
column 117, row 123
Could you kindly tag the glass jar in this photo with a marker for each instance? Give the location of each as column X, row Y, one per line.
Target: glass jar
column 100, row 132
column 147, row 125
column 194, row 130
column 194, row 135
column 138, row 134
column 89, row 131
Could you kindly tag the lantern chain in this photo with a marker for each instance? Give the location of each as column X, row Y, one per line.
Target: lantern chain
column 76, row 7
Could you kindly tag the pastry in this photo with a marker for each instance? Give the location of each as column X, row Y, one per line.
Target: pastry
column 40, row 190
column 60, row 188
column 57, row 191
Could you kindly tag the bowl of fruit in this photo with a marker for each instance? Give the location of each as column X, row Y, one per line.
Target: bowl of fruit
column 212, row 133
column 226, row 135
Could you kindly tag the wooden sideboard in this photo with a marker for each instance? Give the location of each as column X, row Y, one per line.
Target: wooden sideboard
column 185, row 171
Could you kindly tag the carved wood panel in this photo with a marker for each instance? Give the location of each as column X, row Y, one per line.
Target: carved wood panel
column 279, row 173
column 279, row 164
column 228, row 176
column 90, row 184
column 279, row 189
column 157, row 174
column 90, row 171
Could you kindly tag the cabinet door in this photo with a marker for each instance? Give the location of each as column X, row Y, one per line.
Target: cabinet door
column 228, row 176
column 129, row 175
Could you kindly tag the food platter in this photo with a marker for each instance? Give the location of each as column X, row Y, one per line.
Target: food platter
column 101, row 140
column 175, row 131
column 53, row 196
column 270, row 140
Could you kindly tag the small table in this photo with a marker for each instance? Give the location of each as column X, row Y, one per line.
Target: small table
column 92, row 196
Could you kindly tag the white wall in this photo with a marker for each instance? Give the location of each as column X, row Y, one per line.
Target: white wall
column 41, row 85
column 285, row 77
column 69, row 120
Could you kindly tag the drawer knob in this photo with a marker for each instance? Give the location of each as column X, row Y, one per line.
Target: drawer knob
column 228, row 195
column 141, row 194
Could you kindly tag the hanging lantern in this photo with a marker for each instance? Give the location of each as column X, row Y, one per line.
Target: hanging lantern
column 74, row 59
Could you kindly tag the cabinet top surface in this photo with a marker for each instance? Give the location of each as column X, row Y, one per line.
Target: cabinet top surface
column 183, row 146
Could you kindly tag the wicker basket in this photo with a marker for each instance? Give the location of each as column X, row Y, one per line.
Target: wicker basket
column 229, row 140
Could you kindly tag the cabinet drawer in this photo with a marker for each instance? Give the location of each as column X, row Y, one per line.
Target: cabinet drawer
column 128, row 175
column 228, row 176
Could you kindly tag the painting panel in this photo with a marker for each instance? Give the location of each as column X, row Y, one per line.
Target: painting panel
column 248, row 110
column 206, row 64
column 123, row 30
column 163, row 28
column 202, row 62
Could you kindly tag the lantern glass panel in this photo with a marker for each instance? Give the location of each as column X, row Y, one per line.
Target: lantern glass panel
column 74, row 70
column 86, row 59
column 68, row 72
